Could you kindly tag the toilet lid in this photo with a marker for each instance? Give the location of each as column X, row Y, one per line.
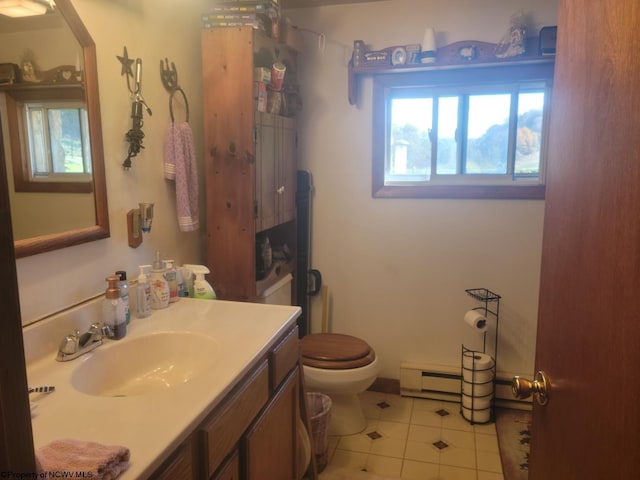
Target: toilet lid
column 335, row 351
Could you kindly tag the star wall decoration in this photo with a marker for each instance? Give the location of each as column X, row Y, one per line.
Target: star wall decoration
column 126, row 63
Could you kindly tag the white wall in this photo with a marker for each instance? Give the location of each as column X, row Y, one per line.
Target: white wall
column 397, row 269
column 151, row 30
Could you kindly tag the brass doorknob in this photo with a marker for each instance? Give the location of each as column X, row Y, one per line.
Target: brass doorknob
column 523, row 388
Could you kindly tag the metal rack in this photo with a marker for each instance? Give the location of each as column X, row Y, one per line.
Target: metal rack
column 477, row 395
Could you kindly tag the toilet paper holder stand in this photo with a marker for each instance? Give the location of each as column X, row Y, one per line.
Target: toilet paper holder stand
column 478, row 392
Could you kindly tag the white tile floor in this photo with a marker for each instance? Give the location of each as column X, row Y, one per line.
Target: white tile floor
column 410, row 431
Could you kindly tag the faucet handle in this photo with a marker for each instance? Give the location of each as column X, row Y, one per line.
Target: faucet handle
column 69, row 344
column 106, row 331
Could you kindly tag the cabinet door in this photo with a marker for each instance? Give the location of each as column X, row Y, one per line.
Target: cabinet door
column 287, row 170
column 271, row 443
column 266, row 173
column 276, row 170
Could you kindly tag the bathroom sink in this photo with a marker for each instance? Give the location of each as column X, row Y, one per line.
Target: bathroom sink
column 145, row 364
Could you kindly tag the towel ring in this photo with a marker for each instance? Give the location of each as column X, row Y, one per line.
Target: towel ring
column 186, row 102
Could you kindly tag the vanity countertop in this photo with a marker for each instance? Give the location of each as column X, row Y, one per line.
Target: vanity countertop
column 153, row 424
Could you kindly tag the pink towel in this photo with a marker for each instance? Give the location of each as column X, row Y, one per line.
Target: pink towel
column 170, row 151
column 89, row 459
column 180, row 165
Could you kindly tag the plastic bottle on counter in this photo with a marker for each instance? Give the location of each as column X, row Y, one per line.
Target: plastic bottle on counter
column 113, row 312
column 143, row 294
column 201, row 288
column 172, row 279
column 123, row 285
column 159, row 285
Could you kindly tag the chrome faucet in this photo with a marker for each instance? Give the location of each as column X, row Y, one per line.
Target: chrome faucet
column 75, row 344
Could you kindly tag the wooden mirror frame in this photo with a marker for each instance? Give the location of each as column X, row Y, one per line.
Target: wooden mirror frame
column 46, row 243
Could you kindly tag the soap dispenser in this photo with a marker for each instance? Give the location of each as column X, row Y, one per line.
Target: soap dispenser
column 143, row 293
column 113, row 311
column 159, row 285
column 171, row 275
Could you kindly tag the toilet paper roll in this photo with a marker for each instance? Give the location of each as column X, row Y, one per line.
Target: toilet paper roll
column 477, row 361
column 477, row 377
column 476, row 403
column 476, row 320
column 478, row 416
column 477, row 390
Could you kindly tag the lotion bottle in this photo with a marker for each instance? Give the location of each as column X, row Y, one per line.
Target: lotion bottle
column 159, row 285
column 143, row 294
column 172, row 279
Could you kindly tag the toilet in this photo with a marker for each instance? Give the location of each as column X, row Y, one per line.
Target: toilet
column 340, row 366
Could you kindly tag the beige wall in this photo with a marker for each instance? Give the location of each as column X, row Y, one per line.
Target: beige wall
column 151, row 30
column 397, row 269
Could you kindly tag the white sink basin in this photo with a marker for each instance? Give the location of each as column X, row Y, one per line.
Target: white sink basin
column 146, row 364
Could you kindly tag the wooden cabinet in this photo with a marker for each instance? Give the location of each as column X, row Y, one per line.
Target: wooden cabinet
column 252, row 433
column 250, row 159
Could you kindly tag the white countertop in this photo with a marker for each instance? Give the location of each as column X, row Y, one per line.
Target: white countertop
column 152, row 425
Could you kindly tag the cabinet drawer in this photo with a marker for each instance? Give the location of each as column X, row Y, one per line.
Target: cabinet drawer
column 222, row 432
column 179, row 465
column 230, row 470
column 284, row 357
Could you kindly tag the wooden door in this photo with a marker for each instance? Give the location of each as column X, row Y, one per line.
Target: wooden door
column 589, row 318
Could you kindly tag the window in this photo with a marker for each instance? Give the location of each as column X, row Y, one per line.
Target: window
column 50, row 145
column 461, row 133
column 58, row 141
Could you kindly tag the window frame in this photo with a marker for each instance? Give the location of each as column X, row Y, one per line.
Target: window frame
column 455, row 77
column 15, row 100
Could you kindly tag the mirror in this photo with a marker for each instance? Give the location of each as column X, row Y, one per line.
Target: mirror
column 81, row 215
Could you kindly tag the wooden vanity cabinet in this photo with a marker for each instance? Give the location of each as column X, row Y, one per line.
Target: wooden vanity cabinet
column 252, row 433
column 250, row 159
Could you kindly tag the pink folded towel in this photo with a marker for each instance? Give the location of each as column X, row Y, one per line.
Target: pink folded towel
column 92, row 460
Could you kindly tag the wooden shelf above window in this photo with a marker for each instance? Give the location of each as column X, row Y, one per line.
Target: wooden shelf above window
column 452, row 56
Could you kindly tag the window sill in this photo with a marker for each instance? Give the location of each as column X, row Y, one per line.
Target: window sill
column 486, row 192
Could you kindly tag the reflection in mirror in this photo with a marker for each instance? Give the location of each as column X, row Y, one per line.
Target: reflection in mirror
column 50, row 117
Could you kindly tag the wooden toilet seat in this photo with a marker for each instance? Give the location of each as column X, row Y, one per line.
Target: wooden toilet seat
column 335, row 351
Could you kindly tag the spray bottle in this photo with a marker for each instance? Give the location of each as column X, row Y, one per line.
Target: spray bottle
column 201, row 288
column 143, row 294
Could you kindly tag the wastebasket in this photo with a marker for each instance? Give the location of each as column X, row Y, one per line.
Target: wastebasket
column 319, row 408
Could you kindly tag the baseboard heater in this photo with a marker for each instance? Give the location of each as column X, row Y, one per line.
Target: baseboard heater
column 443, row 382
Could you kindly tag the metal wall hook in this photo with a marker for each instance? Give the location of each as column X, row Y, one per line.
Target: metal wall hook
column 186, row 102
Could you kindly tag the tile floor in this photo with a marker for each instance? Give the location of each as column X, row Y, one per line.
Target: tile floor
column 414, row 438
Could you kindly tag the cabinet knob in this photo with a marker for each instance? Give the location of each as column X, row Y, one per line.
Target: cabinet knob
column 280, row 190
column 232, row 148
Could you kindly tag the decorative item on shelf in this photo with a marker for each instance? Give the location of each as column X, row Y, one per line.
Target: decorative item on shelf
column 376, row 58
column 398, row 56
column 547, row 40
column 513, row 43
column 468, row 52
column 428, row 54
column 358, row 52
column 413, row 53
column 138, row 222
column 135, row 135
column 9, row 73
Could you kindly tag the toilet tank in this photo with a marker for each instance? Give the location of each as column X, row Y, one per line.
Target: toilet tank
column 279, row 293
